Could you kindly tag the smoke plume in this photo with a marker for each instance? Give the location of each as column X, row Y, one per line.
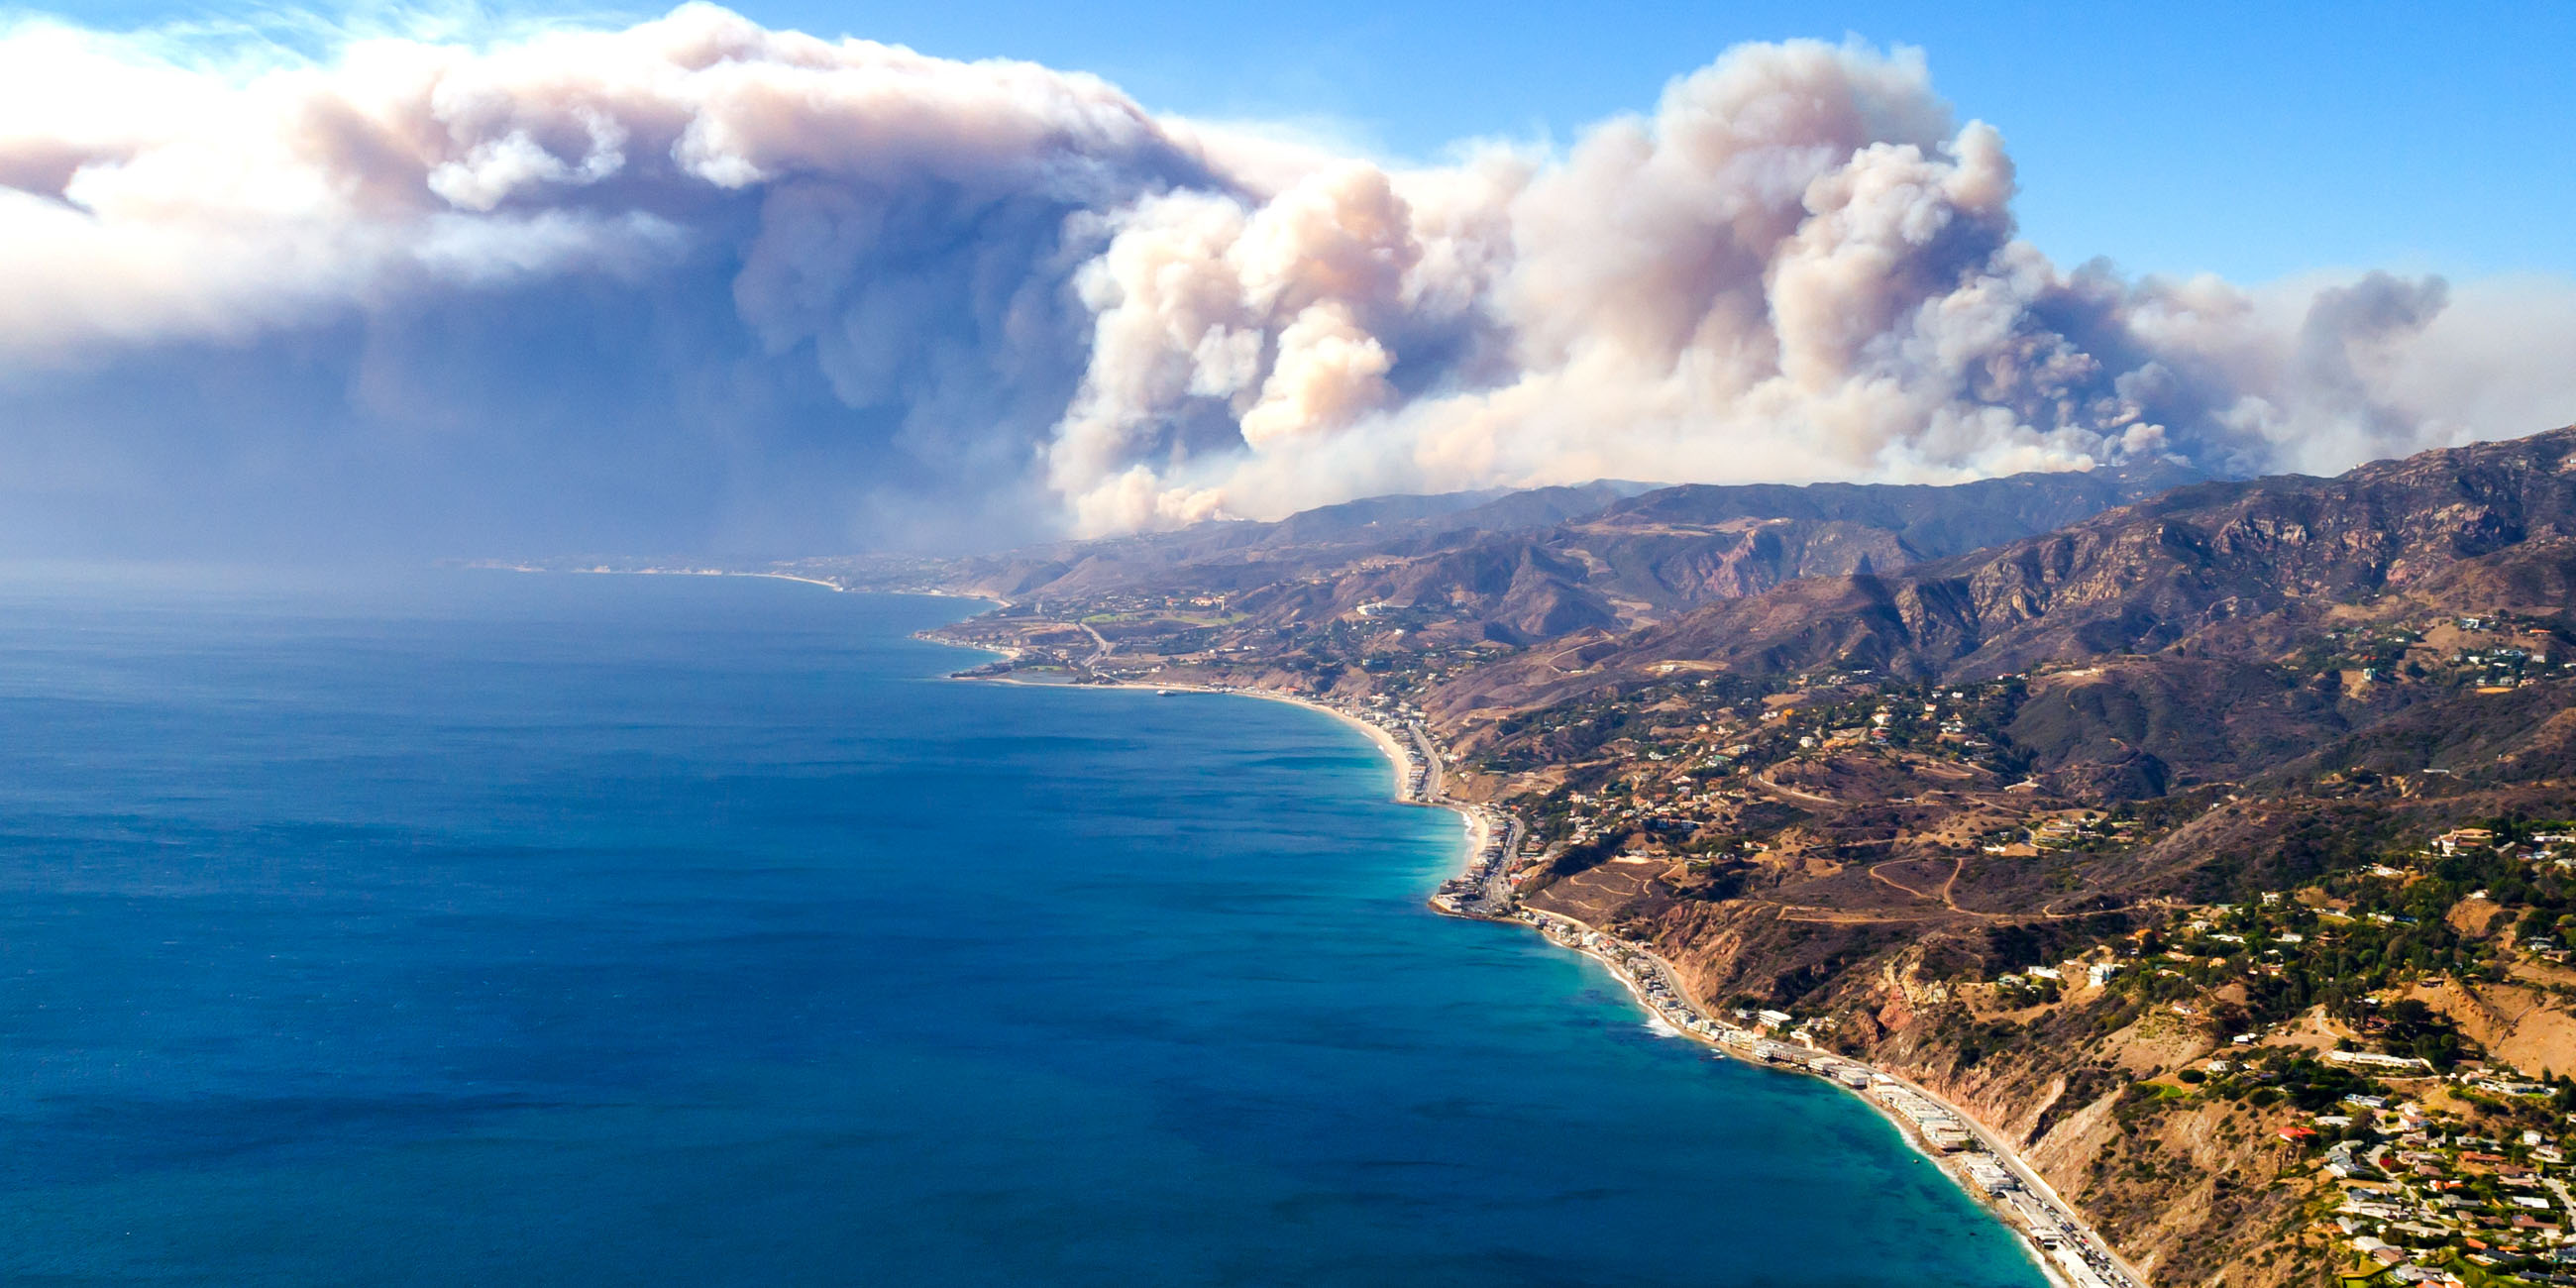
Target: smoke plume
column 698, row 285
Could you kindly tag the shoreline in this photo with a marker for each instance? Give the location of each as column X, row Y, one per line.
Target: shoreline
column 1747, row 1047
column 2026, row 1232
column 1783, row 1057
column 834, row 587
column 1722, row 1039
column 1399, row 761
column 1744, row 1045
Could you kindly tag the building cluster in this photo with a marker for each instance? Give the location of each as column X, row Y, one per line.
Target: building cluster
column 2411, row 1195
column 1473, row 891
column 1940, row 1128
column 2460, row 650
column 1677, row 805
column 2417, row 1194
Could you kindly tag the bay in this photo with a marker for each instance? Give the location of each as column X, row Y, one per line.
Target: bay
column 474, row 928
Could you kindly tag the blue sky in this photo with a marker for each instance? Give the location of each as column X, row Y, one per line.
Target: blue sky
column 2254, row 141
column 2249, row 140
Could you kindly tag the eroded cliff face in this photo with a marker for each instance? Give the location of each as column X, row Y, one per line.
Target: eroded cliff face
column 2204, row 1195
column 2201, row 1196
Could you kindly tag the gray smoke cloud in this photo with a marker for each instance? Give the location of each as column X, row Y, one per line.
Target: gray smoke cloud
column 696, row 284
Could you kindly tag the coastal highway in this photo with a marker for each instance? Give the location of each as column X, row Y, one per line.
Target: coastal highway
column 1493, row 896
column 1431, row 768
column 1496, row 890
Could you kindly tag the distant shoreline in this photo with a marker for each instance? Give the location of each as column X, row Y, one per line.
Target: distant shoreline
column 829, row 585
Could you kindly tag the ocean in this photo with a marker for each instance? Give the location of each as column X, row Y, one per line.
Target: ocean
column 483, row 928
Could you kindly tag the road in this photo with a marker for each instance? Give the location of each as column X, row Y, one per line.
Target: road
column 1432, row 773
column 1493, row 895
column 1792, row 793
column 2110, row 1265
column 1497, row 889
column 1958, row 864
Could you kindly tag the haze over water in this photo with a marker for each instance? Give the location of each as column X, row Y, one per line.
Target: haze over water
column 578, row 930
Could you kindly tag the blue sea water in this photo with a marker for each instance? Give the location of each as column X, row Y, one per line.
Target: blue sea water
column 489, row 929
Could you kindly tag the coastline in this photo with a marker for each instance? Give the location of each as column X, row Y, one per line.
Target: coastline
column 1749, row 1048
column 1723, row 1039
column 1399, row 761
column 834, row 587
column 1795, row 1059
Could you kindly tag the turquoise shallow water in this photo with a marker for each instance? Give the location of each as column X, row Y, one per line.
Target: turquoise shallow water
column 484, row 929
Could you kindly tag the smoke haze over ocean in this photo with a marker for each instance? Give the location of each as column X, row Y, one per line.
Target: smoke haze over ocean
column 700, row 286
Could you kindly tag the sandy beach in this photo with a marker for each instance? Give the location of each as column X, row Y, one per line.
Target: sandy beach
column 1399, row 763
column 1386, row 743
